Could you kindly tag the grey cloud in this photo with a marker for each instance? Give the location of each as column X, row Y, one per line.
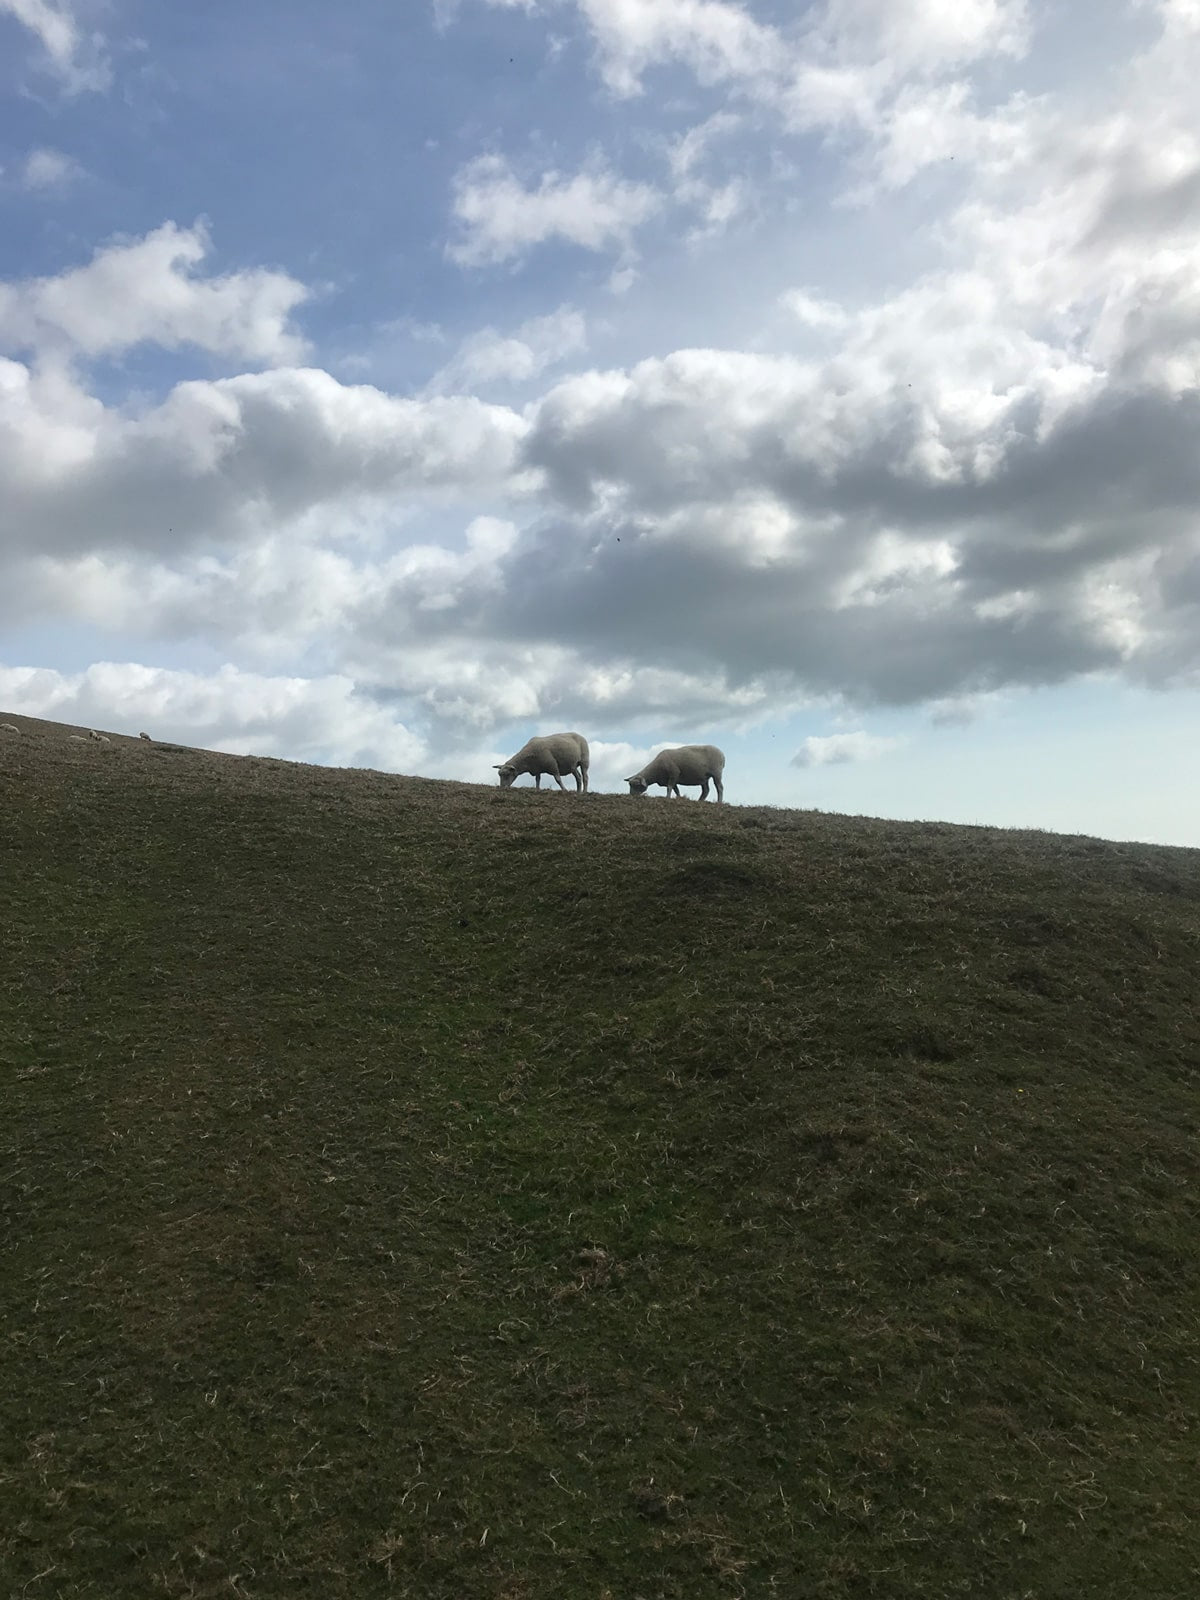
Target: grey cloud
column 1117, row 470
column 1124, row 452
column 236, row 458
column 1134, row 209
column 630, row 570
column 664, row 603
column 605, row 594
column 644, row 603
column 879, row 584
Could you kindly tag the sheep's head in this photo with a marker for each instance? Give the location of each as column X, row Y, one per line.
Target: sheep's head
column 637, row 785
column 507, row 774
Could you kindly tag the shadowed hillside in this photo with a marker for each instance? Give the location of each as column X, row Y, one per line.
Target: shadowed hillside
column 415, row 1189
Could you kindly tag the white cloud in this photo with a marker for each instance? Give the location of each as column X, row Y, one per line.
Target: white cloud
column 77, row 59
column 837, row 749
column 1180, row 18
column 888, row 72
column 609, row 762
column 501, row 220
column 723, row 43
column 146, row 291
column 718, row 206
column 489, row 356
column 890, row 78
column 244, row 713
column 689, row 150
column 718, row 41
column 923, row 35
column 48, row 169
column 717, row 200
column 814, row 312
column 924, row 125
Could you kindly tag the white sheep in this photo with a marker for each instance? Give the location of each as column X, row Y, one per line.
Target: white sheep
column 689, row 764
column 147, row 738
column 7, row 727
column 555, row 754
column 100, row 738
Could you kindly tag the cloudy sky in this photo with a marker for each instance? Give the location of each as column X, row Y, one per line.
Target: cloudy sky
column 383, row 383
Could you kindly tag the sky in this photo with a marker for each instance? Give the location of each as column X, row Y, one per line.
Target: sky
column 382, row 384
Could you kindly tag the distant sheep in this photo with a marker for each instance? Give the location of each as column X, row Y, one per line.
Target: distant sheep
column 100, row 738
column 689, row 764
column 555, row 754
column 147, row 738
column 7, row 727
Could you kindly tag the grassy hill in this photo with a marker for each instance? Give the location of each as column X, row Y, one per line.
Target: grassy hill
column 415, row 1189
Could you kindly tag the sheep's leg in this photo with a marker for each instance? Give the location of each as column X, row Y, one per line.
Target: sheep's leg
column 704, row 790
column 537, row 779
column 577, row 774
column 559, row 782
column 720, row 787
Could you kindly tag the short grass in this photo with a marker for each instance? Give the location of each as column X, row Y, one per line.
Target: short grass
column 415, row 1189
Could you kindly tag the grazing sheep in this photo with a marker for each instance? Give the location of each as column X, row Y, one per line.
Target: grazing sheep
column 555, row 754
column 689, row 764
column 100, row 738
column 147, row 738
column 7, row 727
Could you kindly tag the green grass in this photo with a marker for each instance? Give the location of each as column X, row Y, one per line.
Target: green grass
column 415, row 1189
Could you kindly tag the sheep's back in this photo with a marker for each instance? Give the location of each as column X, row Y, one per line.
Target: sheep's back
column 694, row 763
column 566, row 750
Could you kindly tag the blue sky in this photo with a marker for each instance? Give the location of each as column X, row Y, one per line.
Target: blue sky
column 381, row 385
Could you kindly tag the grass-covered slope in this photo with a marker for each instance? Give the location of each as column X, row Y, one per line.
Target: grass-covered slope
column 415, row 1189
